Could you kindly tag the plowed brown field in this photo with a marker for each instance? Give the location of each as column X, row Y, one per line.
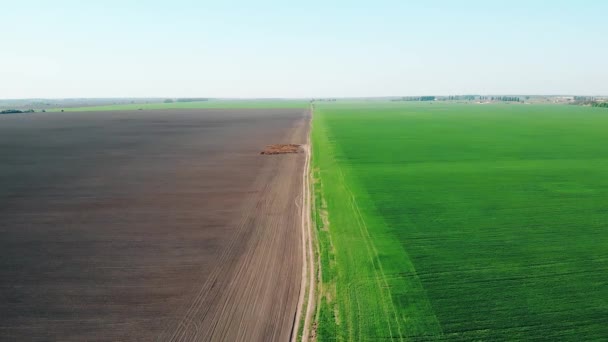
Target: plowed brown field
column 150, row 225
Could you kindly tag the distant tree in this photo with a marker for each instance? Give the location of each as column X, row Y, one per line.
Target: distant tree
column 11, row 111
column 168, row 101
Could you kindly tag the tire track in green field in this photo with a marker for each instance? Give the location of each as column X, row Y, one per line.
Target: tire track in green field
column 414, row 320
column 373, row 257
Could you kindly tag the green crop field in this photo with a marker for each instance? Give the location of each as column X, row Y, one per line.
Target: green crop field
column 461, row 221
column 212, row 104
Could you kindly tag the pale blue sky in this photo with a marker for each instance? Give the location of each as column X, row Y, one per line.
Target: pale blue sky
column 311, row 48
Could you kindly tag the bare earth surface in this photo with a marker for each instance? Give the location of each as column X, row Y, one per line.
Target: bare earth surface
column 150, row 225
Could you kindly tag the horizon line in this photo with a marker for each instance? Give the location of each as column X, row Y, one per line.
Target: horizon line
column 287, row 98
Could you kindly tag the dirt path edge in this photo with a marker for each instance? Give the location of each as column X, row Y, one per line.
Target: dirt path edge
column 307, row 289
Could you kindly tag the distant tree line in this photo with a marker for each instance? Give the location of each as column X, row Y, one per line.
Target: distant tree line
column 323, row 100
column 193, row 99
column 16, row 111
column 587, row 101
column 463, row 97
column 600, row 104
column 505, row 98
column 584, row 98
column 416, row 98
column 480, row 98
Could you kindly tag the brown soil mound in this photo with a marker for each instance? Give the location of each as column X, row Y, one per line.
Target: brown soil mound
column 281, row 149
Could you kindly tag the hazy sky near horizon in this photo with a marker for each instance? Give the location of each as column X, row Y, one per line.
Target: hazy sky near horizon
column 180, row 48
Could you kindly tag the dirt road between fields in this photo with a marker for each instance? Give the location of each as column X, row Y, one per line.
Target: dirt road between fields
column 306, row 303
column 151, row 225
